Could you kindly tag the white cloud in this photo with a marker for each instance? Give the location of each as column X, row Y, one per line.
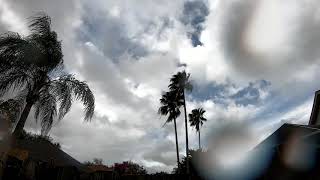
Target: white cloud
column 127, row 53
column 10, row 20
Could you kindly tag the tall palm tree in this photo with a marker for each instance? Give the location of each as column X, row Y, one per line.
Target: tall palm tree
column 196, row 118
column 34, row 65
column 170, row 104
column 179, row 83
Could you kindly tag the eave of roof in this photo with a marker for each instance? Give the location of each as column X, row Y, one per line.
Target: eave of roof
column 282, row 134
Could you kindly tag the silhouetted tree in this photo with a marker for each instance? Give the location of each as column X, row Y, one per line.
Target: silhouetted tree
column 196, row 119
column 194, row 158
column 129, row 168
column 38, row 138
column 98, row 161
column 161, row 173
column 33, row 65
column 179, row 83
column 170, row 104
column 95, row 161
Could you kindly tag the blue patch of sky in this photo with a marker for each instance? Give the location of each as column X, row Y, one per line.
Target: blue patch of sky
column 250, row 94
column 212, row 91
column 219, row 93
column 277, row 104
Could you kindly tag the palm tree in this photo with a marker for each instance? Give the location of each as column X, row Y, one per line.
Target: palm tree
column 196, row 119
column 170, row 106
column 33, row 65
column 179, row 83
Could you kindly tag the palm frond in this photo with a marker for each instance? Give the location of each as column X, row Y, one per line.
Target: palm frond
column 46, row 40
column 40, row 24
column 15, row 50
column 170, row 104
column 45, row 110
column 64, row 96
column 14, row 79
column 80, row 90
column 163, row 110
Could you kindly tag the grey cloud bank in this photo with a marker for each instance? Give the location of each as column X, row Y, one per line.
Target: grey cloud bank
column 127, row 53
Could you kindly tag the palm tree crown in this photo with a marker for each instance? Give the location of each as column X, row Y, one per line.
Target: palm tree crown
column 180, row 82
column 170, row 105
column 196, row 118
column 33, row 66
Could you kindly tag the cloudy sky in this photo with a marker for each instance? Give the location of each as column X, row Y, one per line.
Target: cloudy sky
column 252, row 62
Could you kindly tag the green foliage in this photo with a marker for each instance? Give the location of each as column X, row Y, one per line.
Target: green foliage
column 38, row 138
column 129, row 168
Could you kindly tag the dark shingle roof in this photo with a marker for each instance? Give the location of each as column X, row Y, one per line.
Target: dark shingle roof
column 47, row 152
column 285, row 132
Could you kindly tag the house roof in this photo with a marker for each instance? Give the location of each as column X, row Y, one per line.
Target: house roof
column 286, row 132
column 315, row 109
column 104, row 168
column 46, row 152
column 291, row 152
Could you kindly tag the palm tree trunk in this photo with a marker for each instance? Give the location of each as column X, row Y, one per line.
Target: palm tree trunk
column 199, row 139
column 20, row 125
column 177, row 146
column 186, row 126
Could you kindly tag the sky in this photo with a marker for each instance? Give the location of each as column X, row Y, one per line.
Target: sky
column 252, row 63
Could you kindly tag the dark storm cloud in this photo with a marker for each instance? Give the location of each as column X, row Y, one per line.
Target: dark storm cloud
column 104, row 75
column 193, row 17
column 109, row 35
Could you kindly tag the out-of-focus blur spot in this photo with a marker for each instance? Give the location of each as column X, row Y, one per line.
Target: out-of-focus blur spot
column 231, row 154
column 299, row 153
